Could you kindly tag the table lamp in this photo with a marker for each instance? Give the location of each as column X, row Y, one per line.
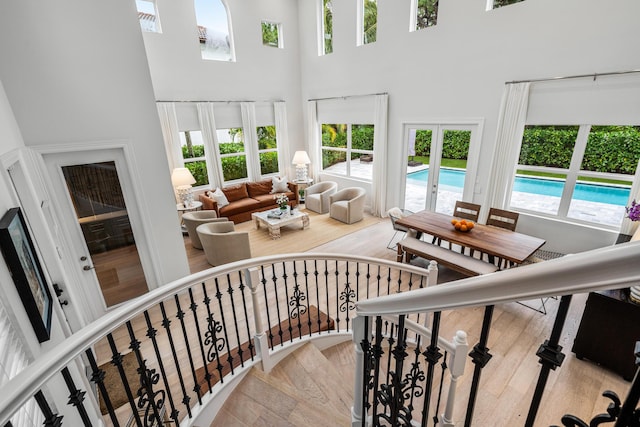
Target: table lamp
column 182, row 179
column 301, row 160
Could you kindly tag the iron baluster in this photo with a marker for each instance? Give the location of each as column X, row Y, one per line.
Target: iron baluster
column 274, row 279
column 116, row 359
column 436, row 418
column 76, row 397
column 377, row 355
column 298, row 308
column 51, row 419
column 306, row 287
column 336, row 276
column 151, row 333
column 480, row 356
column 224, row 325
column 250, row 344
column 148, row 378
column 347, row 297
column 194, row 310
column 326, row 288
column 263, row 280
column 285, row 276
column 180, row 314
column 432, row 355
column 357, row 273
column 550, row 358
column 166, row 324
column 97, row 376
column 378, row 280
column 211, row 336
column 392, row 395
column 315, row 274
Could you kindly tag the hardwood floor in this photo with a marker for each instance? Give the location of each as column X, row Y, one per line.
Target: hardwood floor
column 509, row 379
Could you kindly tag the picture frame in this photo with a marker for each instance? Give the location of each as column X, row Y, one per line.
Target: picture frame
column 26, row 271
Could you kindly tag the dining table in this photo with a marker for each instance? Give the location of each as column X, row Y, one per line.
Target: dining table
column 499, row 242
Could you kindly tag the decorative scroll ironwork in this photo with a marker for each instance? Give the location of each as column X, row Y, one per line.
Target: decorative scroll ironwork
column 214, row 342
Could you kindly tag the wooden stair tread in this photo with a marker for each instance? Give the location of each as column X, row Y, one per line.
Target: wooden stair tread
column 312, row 321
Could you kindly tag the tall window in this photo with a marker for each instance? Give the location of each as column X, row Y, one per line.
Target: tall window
column 580, row 172
column 494, row 4
column 232, row 154
column 368, row 17
column 193, row 156
column 214, row 30
column 424, row 14
column 268, row 150
column 271, row 34
column 347, row 149
column 148, row 15
column 327, row 27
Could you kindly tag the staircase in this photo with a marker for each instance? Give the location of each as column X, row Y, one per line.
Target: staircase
column 308, row 388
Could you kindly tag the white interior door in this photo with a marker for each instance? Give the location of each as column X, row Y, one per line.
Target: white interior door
column 93, row 197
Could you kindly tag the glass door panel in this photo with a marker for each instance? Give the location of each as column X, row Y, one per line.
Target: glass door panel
column 101, row 212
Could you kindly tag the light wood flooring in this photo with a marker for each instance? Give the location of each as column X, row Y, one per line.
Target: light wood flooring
column 509, row 379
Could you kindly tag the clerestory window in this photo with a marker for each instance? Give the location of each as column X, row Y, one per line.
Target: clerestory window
column 584, row 173
column 148, row 16
column 326, row 27
column 494, row 4
column 424, row 14
column 271, row 34
column 214, row 30
column 367, row 21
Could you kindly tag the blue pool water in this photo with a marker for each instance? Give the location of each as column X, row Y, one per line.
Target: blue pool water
column 546, row 187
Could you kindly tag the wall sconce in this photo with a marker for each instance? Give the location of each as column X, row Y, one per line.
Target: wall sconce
column 301, row 160
column 182, row 180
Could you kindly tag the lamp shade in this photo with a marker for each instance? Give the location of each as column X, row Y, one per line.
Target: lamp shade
column 181, row 177
column 301, row 158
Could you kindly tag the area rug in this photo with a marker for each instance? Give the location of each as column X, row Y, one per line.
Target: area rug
column 113, row 382
column 322, row 229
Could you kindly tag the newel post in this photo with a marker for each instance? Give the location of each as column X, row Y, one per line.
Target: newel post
column 456, row 369
column 260, row 339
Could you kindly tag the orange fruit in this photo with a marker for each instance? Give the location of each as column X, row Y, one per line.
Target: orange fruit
column 463, row 221
column 454, row 221
column 470, row 225
column 463, row 227
column 458, row 226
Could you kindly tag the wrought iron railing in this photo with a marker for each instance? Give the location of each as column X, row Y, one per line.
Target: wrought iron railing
column 172, row 350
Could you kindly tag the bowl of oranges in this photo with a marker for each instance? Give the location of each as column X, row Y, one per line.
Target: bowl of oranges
column 463, row 225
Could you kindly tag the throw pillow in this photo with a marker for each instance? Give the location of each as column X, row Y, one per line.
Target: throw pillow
column 279, row 185
column 220, row 198
column 236, row 192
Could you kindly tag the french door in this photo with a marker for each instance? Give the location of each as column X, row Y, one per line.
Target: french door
column 94, row 199
column 441, row 158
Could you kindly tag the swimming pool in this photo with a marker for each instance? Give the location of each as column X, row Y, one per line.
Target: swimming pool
column 546, row 187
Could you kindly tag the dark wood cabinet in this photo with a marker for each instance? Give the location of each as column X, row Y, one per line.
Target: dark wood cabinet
column 608, row 332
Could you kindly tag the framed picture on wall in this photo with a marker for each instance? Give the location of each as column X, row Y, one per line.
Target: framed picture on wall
column 20, row 255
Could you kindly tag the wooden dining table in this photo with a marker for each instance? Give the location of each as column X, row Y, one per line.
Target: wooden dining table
column 496, row 241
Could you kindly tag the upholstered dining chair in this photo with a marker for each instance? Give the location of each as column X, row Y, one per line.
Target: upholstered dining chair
column 316, row 196
column 192, row 220
column 222, row 244
column 394, row 215
column 347, row 205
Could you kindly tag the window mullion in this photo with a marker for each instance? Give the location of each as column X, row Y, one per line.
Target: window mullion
column 574, row 168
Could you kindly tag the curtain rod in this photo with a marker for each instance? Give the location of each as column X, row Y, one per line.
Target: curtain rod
column 226, row 102
column 347, row 96
column 579, row 76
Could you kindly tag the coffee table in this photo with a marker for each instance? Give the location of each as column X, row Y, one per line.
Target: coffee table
column 274, row 224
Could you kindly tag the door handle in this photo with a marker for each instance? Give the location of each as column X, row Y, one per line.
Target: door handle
column 87, row 268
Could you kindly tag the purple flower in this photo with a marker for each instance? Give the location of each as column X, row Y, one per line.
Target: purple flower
column 633, row 211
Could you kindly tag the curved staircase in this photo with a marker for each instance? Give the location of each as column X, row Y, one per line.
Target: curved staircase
column 308, row 388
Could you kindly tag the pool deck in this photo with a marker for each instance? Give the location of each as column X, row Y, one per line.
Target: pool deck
column 415, row 197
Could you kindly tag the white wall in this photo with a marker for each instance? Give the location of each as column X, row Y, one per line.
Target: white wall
column 75, row 72
column 458, row 68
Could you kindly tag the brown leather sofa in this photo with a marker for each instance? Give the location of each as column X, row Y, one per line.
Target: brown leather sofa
column 247, row 198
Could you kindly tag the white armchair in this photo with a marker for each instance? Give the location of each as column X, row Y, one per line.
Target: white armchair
column 317, row 196
column 347, row 205
column 192, row 220
column 222, row 244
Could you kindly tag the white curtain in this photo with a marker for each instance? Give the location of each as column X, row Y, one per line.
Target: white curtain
column 171, row 134
column 282, row 136
column 313, row 136
column 379, row 180
column 251, row 140
column 211, row 151
column 513, row 115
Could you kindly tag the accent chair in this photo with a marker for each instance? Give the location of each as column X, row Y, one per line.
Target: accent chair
column 317, row 196
column 194, row 219
column 222, row 244
column 347, row 205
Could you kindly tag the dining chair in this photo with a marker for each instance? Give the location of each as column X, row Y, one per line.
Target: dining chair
column 469, row 211
column 395, row 214
column 503, row 219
